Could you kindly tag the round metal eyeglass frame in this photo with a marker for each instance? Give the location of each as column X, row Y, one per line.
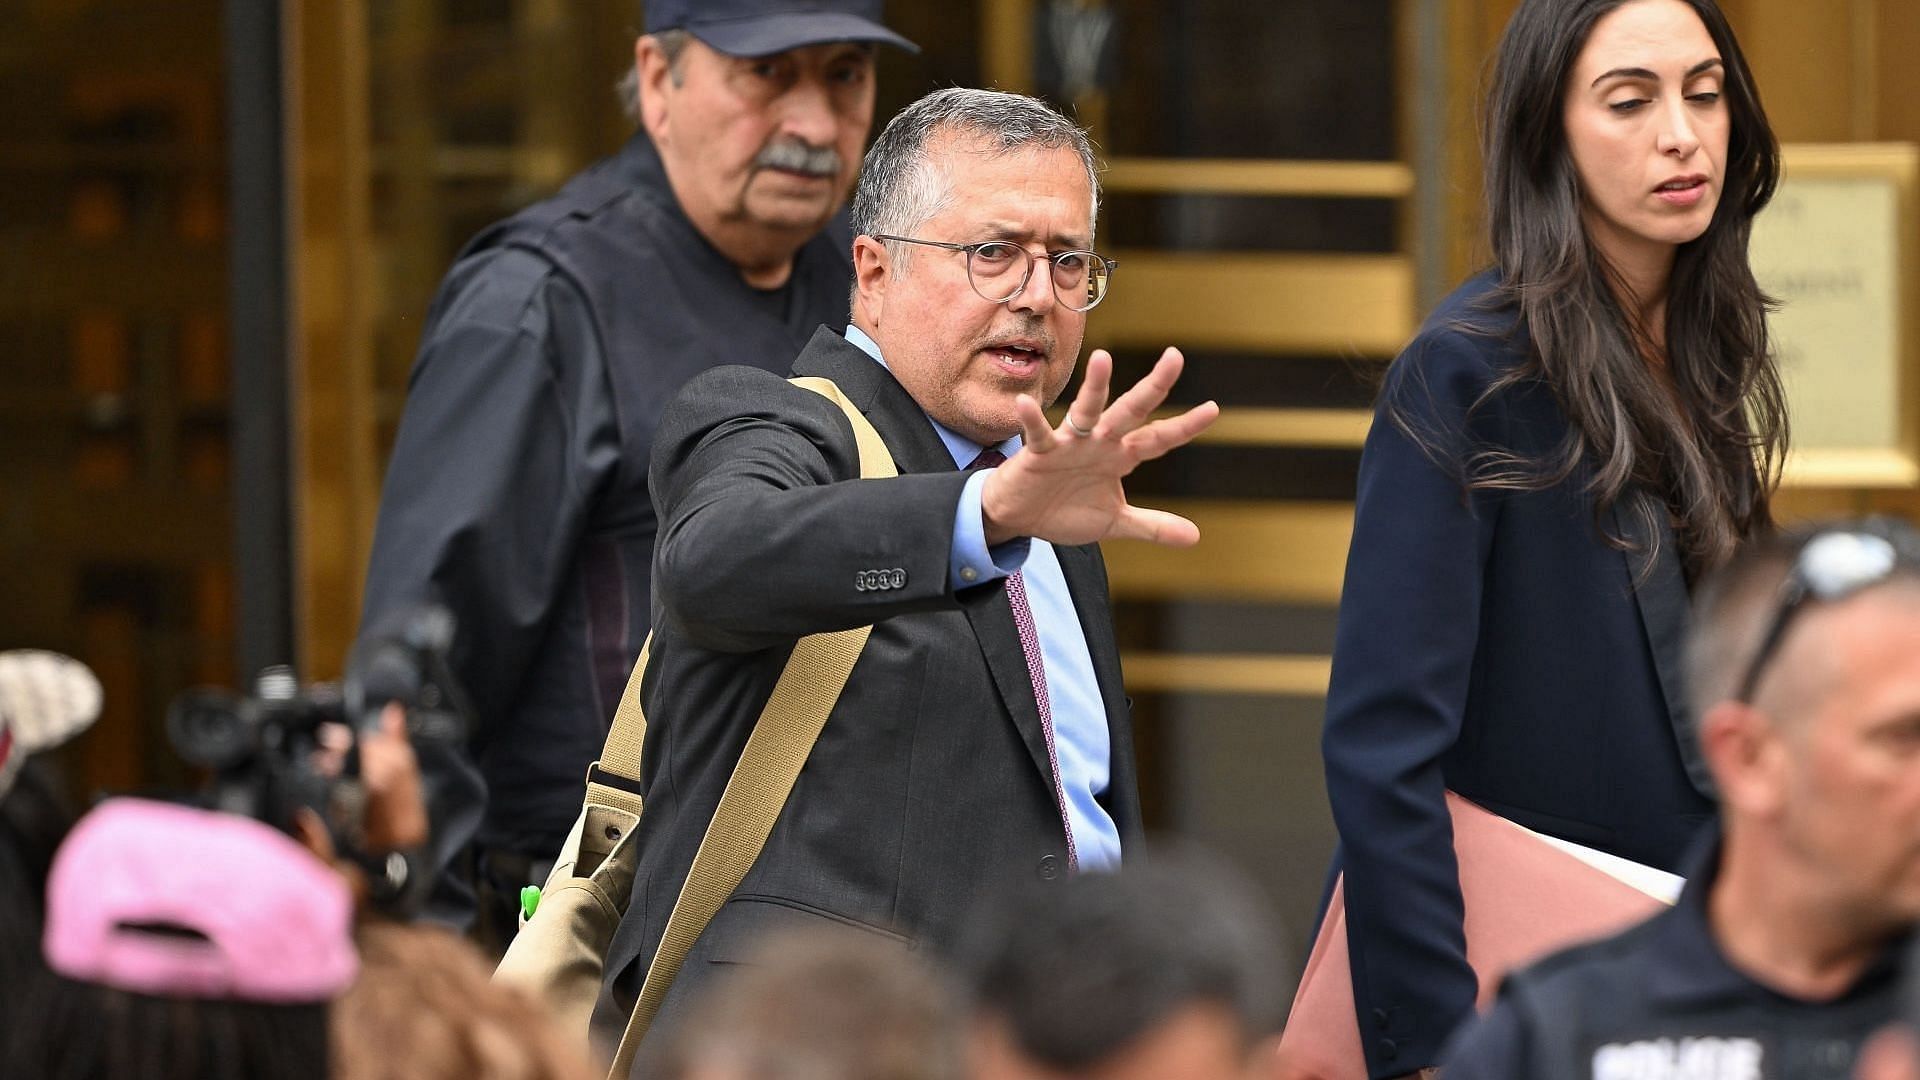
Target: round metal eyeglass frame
column 1099, row 269
column 1831, row 566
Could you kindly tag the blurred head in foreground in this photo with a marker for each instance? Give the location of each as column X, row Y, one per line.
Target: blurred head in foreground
column 424, row 1009
column 1167, row 970
column 821, row 1006
column 45, row 700
column 183, row 944
column 1805, row 672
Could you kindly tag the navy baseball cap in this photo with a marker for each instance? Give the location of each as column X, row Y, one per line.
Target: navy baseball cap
column 765, row 27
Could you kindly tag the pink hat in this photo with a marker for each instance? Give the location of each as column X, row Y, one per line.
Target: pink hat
column 167, row 900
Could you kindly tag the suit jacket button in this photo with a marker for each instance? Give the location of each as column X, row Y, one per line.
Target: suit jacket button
column 1049, row 867
column 1389, row 1049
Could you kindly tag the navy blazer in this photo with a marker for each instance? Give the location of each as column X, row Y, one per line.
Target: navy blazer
column 1497, row 644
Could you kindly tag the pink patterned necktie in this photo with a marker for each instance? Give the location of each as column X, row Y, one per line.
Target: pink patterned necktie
column 1036, row 670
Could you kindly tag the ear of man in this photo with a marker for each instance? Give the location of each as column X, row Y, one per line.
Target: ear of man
column 872, row 266
column 655, row 82
column 1746, row 751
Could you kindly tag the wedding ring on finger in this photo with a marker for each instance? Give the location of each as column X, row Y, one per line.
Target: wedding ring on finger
column 1085, row 433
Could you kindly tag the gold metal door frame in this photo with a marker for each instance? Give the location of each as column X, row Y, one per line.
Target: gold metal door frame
column 1313, row 304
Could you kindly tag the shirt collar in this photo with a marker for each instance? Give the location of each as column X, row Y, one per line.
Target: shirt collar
column 963, row 449
column 1688, row 964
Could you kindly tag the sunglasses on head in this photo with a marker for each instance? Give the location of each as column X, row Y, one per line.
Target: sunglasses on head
column 1831, row 566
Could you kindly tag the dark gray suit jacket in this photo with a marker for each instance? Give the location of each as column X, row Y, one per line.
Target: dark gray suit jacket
column 930, row 780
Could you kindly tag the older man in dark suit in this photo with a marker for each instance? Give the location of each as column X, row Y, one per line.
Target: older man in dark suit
column 984, row 730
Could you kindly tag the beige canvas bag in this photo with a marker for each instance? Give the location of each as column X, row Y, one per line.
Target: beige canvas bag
column 559, row 954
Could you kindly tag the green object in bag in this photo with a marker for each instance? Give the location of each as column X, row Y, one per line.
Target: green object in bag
column 561, row 959
column 529, row 900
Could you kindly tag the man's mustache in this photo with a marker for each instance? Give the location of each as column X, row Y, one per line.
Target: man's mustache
column 793, row 155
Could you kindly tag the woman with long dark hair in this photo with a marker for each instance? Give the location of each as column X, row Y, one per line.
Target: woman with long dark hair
column 1571, row 440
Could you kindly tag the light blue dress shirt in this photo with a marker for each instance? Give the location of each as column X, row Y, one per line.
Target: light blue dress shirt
column 1080, row 734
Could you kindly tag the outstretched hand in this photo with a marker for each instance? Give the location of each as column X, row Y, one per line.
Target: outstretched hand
column 1064, row 486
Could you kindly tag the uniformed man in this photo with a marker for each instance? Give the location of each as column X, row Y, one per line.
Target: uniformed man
column 517, row 493
column 1780, row 958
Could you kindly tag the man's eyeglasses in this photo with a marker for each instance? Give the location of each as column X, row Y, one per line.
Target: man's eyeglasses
column 1831, row 566
column 999, row 269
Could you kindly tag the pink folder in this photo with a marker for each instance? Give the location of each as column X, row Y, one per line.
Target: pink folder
column 1525, row 898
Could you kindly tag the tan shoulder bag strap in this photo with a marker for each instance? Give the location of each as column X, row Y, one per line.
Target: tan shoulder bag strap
column 805, row 694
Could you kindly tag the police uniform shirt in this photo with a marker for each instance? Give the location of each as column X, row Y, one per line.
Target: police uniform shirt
column 1661, row 1002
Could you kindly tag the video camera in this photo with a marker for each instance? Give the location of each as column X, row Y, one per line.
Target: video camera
column 264, row 750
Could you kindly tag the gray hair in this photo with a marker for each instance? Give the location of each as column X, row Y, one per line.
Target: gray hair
column 673, row 44
column 1730, row 609
column 1734, row 604
column 900, row 187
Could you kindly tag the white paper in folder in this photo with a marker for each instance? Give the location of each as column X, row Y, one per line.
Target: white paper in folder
column 1654, row 882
